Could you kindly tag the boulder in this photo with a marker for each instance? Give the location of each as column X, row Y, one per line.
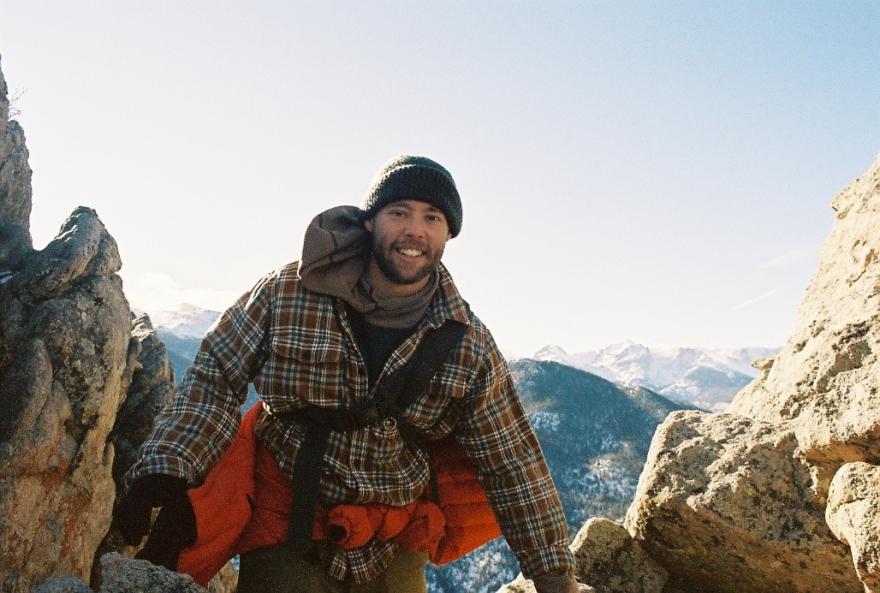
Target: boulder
column 124, row 575
column 610, row 560
column 727, row 504
column 853, row 514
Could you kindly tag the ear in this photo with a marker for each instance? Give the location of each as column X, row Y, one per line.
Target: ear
column 368, row 224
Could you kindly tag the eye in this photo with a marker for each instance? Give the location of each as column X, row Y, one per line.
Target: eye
column 396, row 213
column 433, row 218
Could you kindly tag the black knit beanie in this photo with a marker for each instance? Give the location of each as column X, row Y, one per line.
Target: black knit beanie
column 419, row 178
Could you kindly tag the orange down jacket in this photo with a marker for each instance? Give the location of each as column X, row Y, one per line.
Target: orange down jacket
column 244, row 504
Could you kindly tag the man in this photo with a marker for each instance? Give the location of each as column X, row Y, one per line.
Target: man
column 327, row 334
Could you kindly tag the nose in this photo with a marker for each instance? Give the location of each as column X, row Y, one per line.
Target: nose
column 414, row 227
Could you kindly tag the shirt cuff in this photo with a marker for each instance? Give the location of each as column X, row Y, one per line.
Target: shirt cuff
column 160, row 464
column 544, row 560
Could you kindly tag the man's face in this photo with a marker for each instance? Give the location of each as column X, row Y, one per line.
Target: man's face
column 407, row 238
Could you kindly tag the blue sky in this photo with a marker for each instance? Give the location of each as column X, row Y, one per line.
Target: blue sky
column 660, row 172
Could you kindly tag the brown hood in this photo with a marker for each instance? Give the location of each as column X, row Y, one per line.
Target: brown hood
column 335, row 252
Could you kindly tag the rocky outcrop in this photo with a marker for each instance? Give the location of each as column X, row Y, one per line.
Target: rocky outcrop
column 853, row 513
column 64, row 371
column 15, row 190
column 66, row 360
column 824, row 383
column 80, row 385
column 738, row 501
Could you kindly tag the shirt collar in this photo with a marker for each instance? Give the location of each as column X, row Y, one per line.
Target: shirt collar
column 447, row 302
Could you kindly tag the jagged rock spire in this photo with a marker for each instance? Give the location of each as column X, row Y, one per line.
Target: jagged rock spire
column 15, row 188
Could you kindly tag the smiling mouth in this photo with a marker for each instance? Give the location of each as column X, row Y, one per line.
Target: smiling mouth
column 410, row 252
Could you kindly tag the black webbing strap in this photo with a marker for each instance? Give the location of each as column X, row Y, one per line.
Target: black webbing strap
column 307, row 484
column 401, row 388
column 396, row 392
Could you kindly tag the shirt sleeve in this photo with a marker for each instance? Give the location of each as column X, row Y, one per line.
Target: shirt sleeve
column 197, row 426
column 498, row 438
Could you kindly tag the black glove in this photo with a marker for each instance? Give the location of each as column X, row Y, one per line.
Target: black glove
column 133, row 513
column 174, row 530
column 175, row 527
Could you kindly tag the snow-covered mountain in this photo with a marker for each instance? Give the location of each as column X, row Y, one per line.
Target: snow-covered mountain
column 188, row 321
column 704, row 377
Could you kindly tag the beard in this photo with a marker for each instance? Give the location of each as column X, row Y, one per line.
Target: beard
column 398, row 272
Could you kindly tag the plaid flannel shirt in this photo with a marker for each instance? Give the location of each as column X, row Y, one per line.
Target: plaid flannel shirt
column 297, row 347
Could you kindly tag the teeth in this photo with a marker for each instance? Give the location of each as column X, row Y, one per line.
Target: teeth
column 410, row 252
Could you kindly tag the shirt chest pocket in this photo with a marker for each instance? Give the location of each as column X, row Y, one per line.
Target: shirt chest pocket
column 304, row 365
column 436, row 412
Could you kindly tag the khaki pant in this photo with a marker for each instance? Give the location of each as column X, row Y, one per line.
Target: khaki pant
column 286, row 569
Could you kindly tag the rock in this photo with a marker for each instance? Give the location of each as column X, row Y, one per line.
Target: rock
column 82, row 249
column 64, row 585
column 15, row 189
column 826, row 380
column 62, row 380
column 524, row 585
column 853, row 514
column 124, row 575
column 64, row 336
column 736, row 502
column 152, row 387
column 727, row 504
column 610, row 560
column 225, row 581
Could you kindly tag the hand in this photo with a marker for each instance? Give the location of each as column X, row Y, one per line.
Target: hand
column 133, row 513
column 174, row 530
column 559, row 582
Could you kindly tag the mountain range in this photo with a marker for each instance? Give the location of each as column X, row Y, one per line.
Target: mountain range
column 702, row 377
